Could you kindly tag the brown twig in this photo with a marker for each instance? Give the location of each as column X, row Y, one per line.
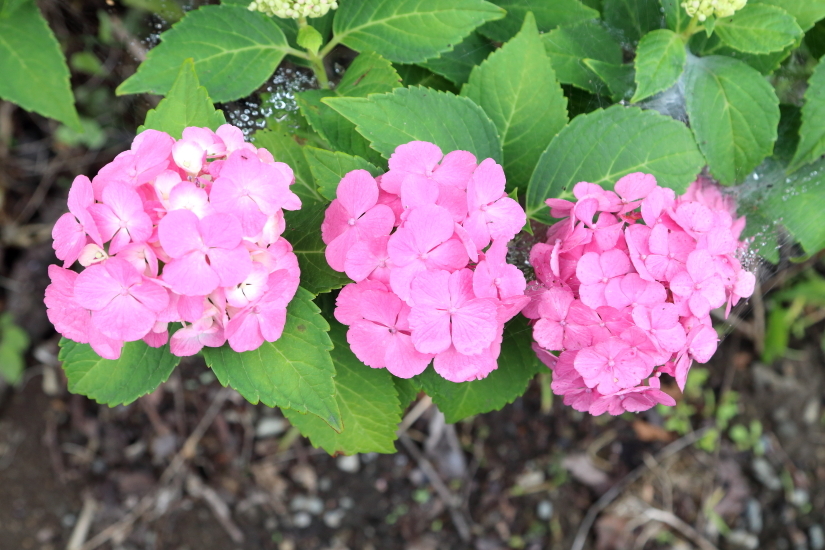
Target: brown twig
column 452, row 501
column 175, row 466
column 605, row 500
column 670, row 519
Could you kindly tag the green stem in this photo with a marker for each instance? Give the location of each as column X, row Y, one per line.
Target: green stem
column 692, row 28
column 329, row 47
column 316, row 60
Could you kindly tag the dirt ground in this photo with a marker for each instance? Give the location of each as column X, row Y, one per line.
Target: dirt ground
column 195, row 467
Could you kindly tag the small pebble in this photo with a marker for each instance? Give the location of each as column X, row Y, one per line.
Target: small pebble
column 544, row 510
column 765, row 474
column 302, row 520
column 68, row 520
column 349, row 464
column 800, row 497
column 302, row 503
column 324, row 484
column 743, row 539
column 530, row 480
column 812, row 412
column 817, row 537
column 753, row 513
column 366, row 458
column 270, row 426
column 333, row 518
column 346, row 503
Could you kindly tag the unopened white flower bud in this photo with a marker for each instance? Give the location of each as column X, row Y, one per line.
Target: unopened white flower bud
column 293, row 9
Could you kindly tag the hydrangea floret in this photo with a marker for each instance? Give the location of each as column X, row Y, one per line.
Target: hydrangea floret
column 426, row 244
column 176, row 231
column 293, row 9
column 702, row 9
column 625, row 285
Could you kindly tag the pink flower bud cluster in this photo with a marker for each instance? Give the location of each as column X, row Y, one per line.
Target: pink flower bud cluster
column 185, row 231
column 426, row 244
column 625, row 287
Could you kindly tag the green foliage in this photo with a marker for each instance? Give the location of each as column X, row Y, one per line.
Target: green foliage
column 759, row 29
column 505, row 87
column 633, row 18
column 549, row 15
column 409, row 31
column 806, row 12
column 407, row 114
column 367, row 399
column 605, row 145
column 294, row 372
column 617, row 78
column 567, row 47
column 771, row 197
column 676, row 18
column 734, row 114
column 517, row 365
column 186, row 104
column 812, row 132
column 369, row 74
column 33, row 71
column 660, row 60
column 329, row 167
column 235, row 51
column 457, row 64
column 140, row 370
column 13, row 345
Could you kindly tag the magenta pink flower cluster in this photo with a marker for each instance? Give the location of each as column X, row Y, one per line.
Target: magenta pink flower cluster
column 170, row 231
column 426, row 244
column 625, row 301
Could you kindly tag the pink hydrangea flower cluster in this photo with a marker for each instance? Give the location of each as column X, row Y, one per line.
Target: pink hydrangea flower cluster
column 426, row 244
column 185, row 231
column 625, row 285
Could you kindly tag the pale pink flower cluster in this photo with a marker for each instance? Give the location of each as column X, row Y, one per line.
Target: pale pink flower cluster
column 625, row 301
column 426, row 244
column 185, row 231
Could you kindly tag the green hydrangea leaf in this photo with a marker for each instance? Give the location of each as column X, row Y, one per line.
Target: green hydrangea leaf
column 505, row 87
column 186, row 104
column 457, row 64
column 294, row 372
column 408, row 114
column 14, row 341
column 812, row 132
column 235, row 51
column 368, row 400
column 369, row 74
column 806, row 12
column 303, row 231
column 567, row 47
column 734, row 113
column 416, row 75
column 770, row 198
column 139, row 370
column 617, row 78
column 517, row 365
column 633, row 18
column 758, row 29
column 409, row 31
column 602, row 146
column 548, row 14
column 328, row 167
column 33, row 69
column 676, row 17
column 660, row 60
